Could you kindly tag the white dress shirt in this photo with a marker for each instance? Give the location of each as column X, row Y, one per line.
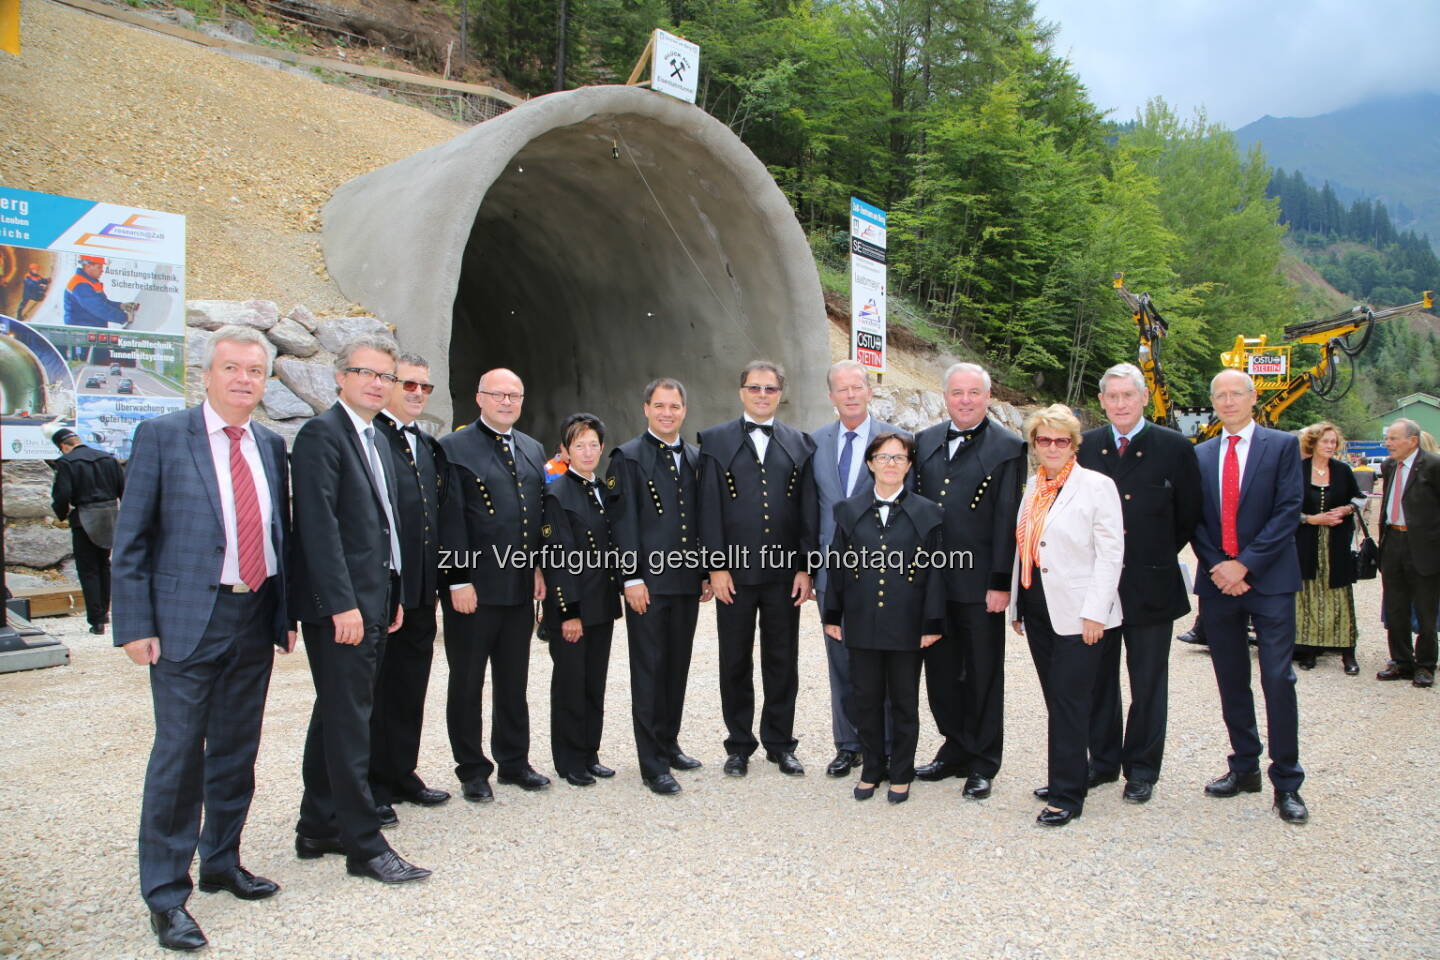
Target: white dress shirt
column 1129, row 437
column 220, row 456
column 885, row 511
column 1242, row 450
column 758, row 437
column 1402, row 473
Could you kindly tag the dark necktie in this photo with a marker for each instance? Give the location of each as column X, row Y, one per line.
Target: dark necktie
column 766, row 428
column 846, row 456
column 249, row 531
column 955, row 433
column 1124, row 445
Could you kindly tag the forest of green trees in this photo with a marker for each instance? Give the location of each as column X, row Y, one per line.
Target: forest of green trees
column 1013, row 197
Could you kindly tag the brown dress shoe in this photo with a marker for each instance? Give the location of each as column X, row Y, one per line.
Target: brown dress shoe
column 1393, row 671
column 1423, row 677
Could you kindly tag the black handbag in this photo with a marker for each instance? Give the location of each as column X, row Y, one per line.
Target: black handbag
column 1367, row 555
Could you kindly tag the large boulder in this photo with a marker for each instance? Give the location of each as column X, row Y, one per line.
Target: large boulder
column 36, row 543
column 214, row 314
column 301, row 314
column 338, row 331
column 196, row 341
column 292, row 338
column 286, row 428
column 27, row 488
column 281, row 403
column 311, row 382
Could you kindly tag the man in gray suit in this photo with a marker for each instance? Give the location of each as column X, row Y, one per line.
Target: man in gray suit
column 840, row 473
column 198, row 574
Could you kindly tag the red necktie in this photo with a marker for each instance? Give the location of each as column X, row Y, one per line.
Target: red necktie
column 1397, row 494
column 1230, row 499
column 1124, row 445
column 249, row 531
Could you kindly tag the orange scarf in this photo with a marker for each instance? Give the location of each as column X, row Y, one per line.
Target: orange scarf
column 1032, row 518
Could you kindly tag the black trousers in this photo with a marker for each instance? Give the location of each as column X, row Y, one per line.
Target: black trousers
column 965, row 685
column 92, row 566
column 1067, row 667
column 577, row 696
column 1274, row 618
column 660, row 642
column 336, row 770
column 874, row 676
column 500, row 637
column 779, row 666
column 1141, row 749
column 208, row 711
column 399, row 712
column 1405, row 587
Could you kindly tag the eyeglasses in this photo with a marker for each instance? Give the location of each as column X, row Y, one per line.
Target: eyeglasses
column 1059, row 443
column 756, row 389
column 887, row 458
column 502, row 397
column 366, row 375
column 410, row 386
column 1230, row 396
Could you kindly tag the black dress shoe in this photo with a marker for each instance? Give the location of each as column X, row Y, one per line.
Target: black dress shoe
column 598, row 769
column 477, row 790
column 1290, row 807
column 387, row 816
column 663, row 784
column 313, row 848
column 1233, row 783
column 1351, row 667
column 787, row 763
column 1138, row 791
column 424, row 797
column 1393, row 671
column 1100, row 779
column 527, row 779
column 176, row 929
column 1304, row 662
column 737, row 765
column 96, row 628
column 1423, row 677
column 578, row 779
column 976, row 787
column 897, row 796
column 1190, row 636
column 939, row 770
column 683, row 761
column 388, row 867
column 1041, row 793
column 865, row 793
column 844, row 762
column 1051, row 817
column 239, row 881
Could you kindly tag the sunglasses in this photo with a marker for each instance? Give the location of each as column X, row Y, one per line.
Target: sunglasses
column 410, row 386
column 1059, row 443
column 757, row 388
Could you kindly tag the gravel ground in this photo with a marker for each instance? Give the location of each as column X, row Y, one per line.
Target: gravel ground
column 761, row 867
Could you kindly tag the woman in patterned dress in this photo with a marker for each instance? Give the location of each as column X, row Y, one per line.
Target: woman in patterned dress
column 1325, row 605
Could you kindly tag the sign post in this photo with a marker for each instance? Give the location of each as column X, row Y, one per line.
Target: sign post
column 867, row 285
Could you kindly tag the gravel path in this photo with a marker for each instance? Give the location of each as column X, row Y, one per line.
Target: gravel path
column 761, row 867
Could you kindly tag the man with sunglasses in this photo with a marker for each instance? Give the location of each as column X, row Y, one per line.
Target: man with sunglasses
column 758, row 511
column 422, row 488
column 499, row 477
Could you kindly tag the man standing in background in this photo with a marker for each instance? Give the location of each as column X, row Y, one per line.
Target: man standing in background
column 87, row 488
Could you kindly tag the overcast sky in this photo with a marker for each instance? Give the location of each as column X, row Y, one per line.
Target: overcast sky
column 1242, row 60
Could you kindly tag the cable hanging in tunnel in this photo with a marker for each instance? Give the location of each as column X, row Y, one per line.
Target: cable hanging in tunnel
column 739, row 325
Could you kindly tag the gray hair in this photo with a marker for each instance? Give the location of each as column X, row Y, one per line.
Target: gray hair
column 840, row 365
column 234, row 333
column 367, row 341
column 764, row 366
column 1412, row 429
column 1126, row 371
column 964, row 367
column 413, row 360
column 1215, row 379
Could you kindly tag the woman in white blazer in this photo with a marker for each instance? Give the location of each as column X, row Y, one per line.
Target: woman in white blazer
column 1065, row 592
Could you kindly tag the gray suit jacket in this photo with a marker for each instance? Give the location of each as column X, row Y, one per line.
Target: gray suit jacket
column 170, row 539
column 827, row 478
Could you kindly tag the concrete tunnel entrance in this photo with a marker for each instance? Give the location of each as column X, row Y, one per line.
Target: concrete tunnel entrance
column 527, row 242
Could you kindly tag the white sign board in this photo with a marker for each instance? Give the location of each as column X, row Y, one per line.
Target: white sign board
column 675, row 66
column 1266, row 365
column 867, row 284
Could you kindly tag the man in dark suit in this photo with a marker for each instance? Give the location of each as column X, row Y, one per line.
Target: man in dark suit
column 1158, row 478
column 1251, row 486
column 87, row 488
column 421, row 492
column 346, row 593
column 199, row 588
column 839, row 474
column 499, row 474
column 1410, row 552
column 975, row 469
column 757, row 510
column 653, row 492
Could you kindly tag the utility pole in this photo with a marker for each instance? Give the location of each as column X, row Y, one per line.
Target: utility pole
column 563, row 18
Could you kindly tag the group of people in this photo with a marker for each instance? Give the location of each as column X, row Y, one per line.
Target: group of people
column 916, row 549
